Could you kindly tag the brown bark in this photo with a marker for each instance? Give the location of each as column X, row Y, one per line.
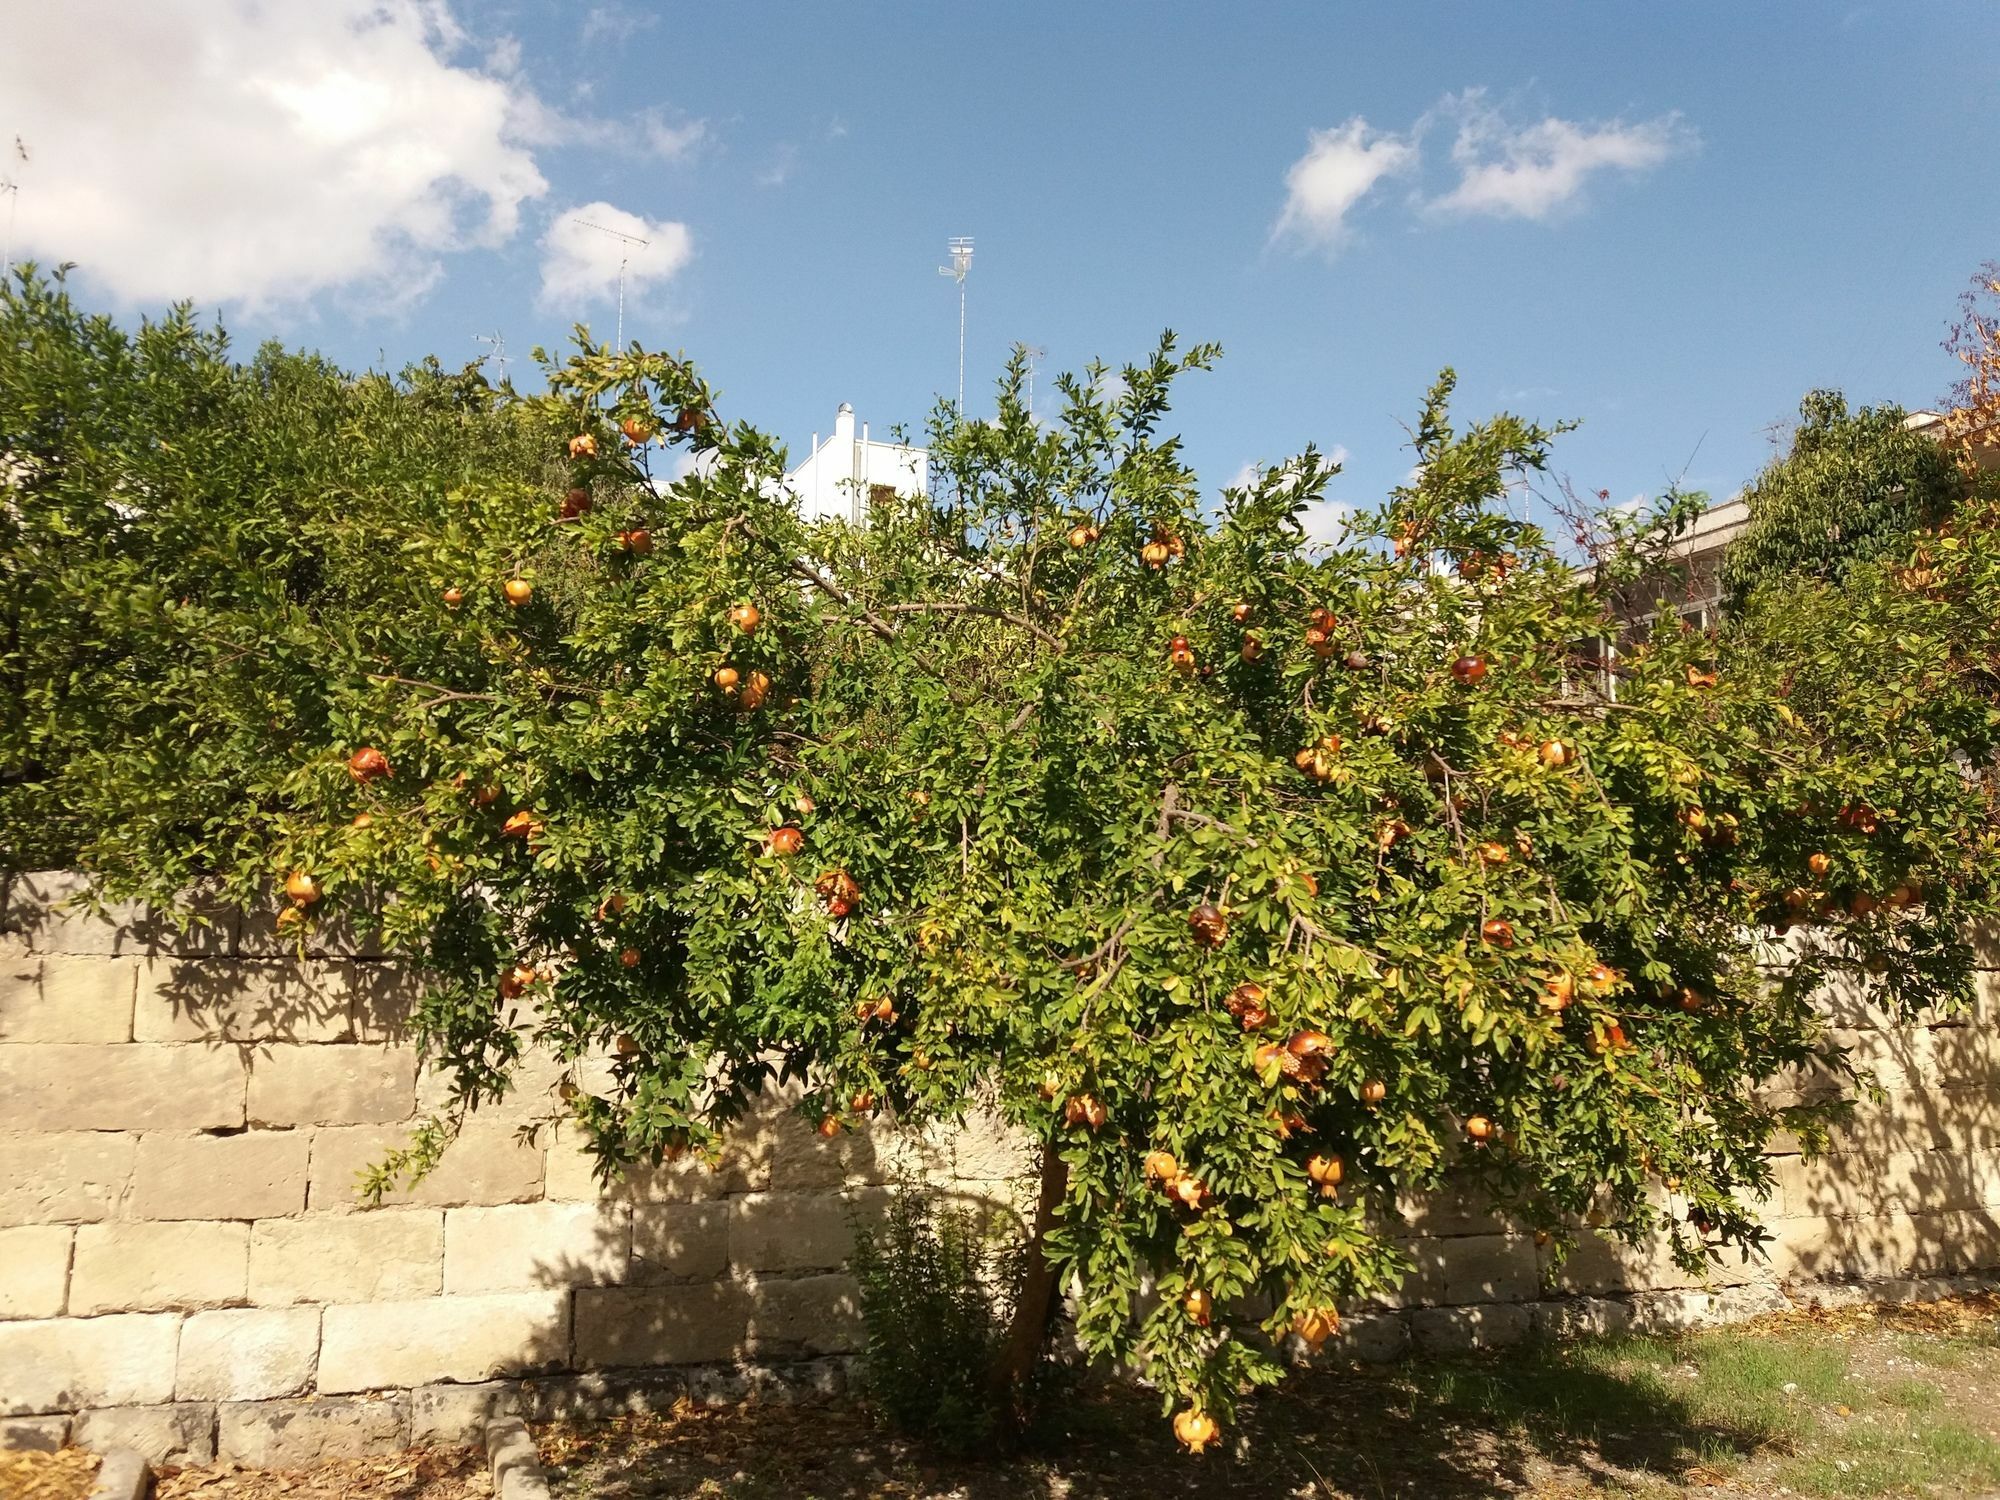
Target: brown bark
column 1015, row 1368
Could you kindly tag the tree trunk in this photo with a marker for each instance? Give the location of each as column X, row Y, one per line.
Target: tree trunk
column 1015, row 1368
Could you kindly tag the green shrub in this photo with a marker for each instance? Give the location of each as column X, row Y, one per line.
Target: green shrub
column 937, row 1286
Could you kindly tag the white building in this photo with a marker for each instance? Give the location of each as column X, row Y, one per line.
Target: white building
column 842, row 475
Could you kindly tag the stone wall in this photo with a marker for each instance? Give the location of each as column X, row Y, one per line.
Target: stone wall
column 184, row 1265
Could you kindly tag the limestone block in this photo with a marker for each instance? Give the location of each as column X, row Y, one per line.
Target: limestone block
column 1451, row 1209
column 242, row 1000
column 1954, row 1243
column 349, row 929
column 301, row 1434
column 489, row 1163
column 1581, row 1317
column 33, row 1434
column 34, row 1270
column 342, row 1084
column 65, row 1364
column 181, row 1434
column 454, row 1416
column 63, row 1178
column 43, row 906
column 799, row 1231
column 1674, row 1311
column 57, row 998
column 572, row 1175
column 398, row 1344
column 258, row 1174
column 387, row 1257
column 1373, row 1337
column 679, row 1242
column 1472, row 1268
column 1451, row 1330
column 1897, row 1059
column 155, row 1267
column 621, row 1327
column 770, row 1385
column 1601, row 1263
column 381, row 997
column 1887, row 1246
column 1851, row 1186
column 522, row 1245
column 984, row 1148
column 247, row 1354
column 1964, row 1054
column 131, row 1087
column 1923, row 1119
column 803, row 1316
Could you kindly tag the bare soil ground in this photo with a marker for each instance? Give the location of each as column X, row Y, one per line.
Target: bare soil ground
column 1861, row 1402
column 1890, row 1401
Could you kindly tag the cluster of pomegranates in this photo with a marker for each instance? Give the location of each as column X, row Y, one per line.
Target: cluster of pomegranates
column 1303, row 1056
column 839, row 891
column 1163, row 1171
column 749, row 692
column 1320, row 761
column 1162, row 549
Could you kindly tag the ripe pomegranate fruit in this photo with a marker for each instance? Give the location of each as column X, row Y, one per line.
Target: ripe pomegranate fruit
column 1209, row 925
column 1315, row 1326
column 367, row 763
column 1084, row 1109
column 1194, row 1429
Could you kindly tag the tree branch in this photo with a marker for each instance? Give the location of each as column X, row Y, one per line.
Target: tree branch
column 956, row 607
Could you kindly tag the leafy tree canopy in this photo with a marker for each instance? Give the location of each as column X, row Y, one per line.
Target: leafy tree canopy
column 1258, row 883
column 1852, row 488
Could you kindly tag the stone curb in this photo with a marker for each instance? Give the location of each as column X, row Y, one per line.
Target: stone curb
column 516, row 1466
column 122, row 1476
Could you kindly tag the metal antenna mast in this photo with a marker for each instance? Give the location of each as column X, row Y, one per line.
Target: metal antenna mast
column 12, row 189
column 624, row 255
column 961, row 262
column 1033, row 352
column 498, row 342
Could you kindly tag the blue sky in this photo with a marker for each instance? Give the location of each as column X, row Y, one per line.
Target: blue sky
column 1666, row 222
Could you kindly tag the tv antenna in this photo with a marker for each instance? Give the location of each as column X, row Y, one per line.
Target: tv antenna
column 1033, row 353
column 12, row 189
column 624, row 255
column 961, row 262
column 498, row 343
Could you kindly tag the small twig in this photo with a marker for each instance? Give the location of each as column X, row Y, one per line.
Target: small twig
column 444, row 694
column 958, row 607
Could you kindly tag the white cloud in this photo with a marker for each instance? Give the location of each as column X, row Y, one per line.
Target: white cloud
column 259, row 152
column 1530, row 171
column 1339, row 169
column 580, row 264
column 613, row 25
column 1326, row 522
column 784, row 161
column 671, row 142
